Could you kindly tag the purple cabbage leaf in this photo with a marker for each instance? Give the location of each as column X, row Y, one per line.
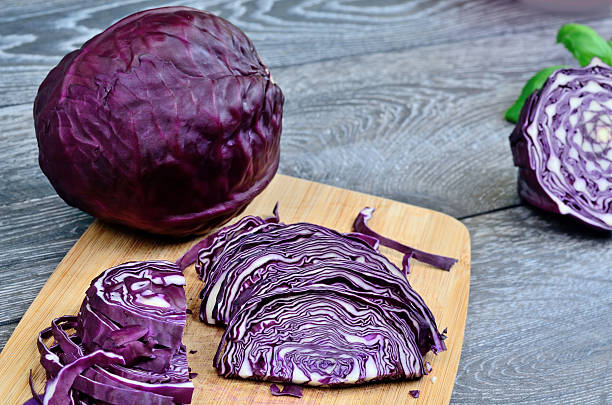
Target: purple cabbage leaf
column 361, row 225
column 291, row 390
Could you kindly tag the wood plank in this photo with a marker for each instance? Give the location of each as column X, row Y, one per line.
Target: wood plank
column 34, row 237
column 285, row 32
column 19, row 84
column 103, row 246
column 538, row 329
column 21, row 178
column 6, row 330
column 34, row 36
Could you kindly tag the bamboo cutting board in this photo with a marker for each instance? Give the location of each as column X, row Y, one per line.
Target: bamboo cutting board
column 103, row 246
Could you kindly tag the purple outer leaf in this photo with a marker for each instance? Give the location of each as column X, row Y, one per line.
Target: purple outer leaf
column 57, row 391
column 117, row 395
column 180, row 391
column 562, row 145
column 36, row 399
column 70, row 350
column 168, row 121
column 406, row 262
column 415, row 393
column 176, row 373
column 291, row 390
column 361, row 225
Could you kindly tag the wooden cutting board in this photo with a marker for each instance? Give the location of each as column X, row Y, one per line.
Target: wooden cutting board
column 103, row 246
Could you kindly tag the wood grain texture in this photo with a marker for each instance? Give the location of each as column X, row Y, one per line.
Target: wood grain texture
column 102, row 246
column 287, row 32
column 22, row 179
column 6, row 329
column 538, row 329
column 35, row 236
column 35, row 35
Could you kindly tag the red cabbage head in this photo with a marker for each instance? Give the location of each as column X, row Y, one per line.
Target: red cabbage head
column 168, row 121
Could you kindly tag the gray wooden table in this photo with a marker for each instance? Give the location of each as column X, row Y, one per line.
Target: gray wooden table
column 402, row 99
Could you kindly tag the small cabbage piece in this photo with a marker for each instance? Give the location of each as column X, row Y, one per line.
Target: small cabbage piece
column 291, row 390
column 138, row 310
column 562, row 145
column 263, row 280
column 361, row 225
column 77, row 377
column 168, row 121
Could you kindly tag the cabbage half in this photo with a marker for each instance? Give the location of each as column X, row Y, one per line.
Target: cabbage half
column 562, row 145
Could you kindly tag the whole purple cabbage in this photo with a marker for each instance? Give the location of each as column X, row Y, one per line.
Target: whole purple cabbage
column 168, row 121
column 562, row 145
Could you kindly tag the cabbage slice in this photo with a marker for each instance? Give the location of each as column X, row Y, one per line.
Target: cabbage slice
column 317, row 337
column 249, row 256
column 135, row 308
